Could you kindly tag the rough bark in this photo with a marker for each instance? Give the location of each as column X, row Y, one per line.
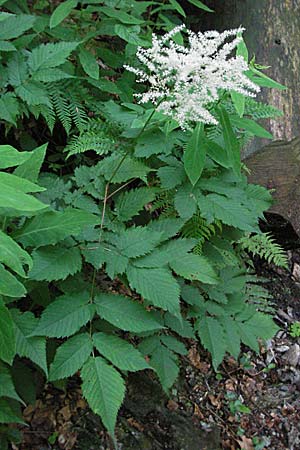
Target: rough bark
column 273, row 36
column 277, row 166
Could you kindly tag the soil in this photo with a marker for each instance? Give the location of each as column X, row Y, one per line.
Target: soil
column 251, row 404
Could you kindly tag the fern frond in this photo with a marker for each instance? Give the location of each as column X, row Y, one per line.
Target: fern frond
column 264, row 246
column 197, row 227
column 96, row 136
column 258, row 110
column 61, row 107
column 258, row 295
column 164, row 204
column 68, row 100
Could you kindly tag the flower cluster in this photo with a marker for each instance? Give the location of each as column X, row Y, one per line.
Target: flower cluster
column 185, row 81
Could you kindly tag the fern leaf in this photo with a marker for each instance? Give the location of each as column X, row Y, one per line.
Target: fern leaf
column 64, row 316
column 264, row 246
column 104, row 389
column 70, row 356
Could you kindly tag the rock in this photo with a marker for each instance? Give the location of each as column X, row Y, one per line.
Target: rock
column 152, row 426
column 292, row 356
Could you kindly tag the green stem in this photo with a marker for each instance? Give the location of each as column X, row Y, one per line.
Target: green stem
column 106, row 197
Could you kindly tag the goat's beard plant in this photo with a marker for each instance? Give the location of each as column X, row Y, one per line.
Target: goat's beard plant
column 181, row 257
column 185, row 82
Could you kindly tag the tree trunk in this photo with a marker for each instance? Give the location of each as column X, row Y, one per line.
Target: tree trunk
column 273, row 36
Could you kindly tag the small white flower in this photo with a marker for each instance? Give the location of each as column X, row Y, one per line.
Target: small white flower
column 185, row 81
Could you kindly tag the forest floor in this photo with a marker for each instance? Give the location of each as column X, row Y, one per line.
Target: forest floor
column 252, row 404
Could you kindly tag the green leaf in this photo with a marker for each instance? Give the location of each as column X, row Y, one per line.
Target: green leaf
column 258, row 326
column 167, row 227
column 119, row 352
column 185, row 202
column 50, row 55
column 180, row 326
column 171, row 176
column 250, row 126
column 7, row 414
column 213, row 339
column 52, row 227
column 166, row 366
column 200, row 5
column 55, row 263
column 218, row 154
column 89, row 63
column 263, row 80
column 194, row 267
column 15, row 25
column 12, row 255
column 7, row 335
column 50, row 75
column 129, row 203
column 173, row 344
column 158, row 286
column 166, row 253
column 9, row 285
column 19, row 184
column 237, row 98
column 130, row 168
column 7, row 47
column 9, row 109
column 229, row 211
column 129, row 34
column 30, row 168
column 152, row 142
column 104, row 389
column 177, row 7
column 135, row 242
column 195, row 154
column 70, row 356
column 32, row 347
column 232, row 335
column 10, row 157
column 121, row 16
column 12, row 198
column 65, row 316
column 125, row 313
column 7, row 388
column 33, row 93
column 61, row 12
column 231, row 142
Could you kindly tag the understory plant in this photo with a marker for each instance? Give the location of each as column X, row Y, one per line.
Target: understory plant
column 131, row 233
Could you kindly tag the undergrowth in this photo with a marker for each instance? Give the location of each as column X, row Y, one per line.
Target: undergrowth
column 119, row 194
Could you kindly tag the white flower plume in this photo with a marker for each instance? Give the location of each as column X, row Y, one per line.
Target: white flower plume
column 185, row 81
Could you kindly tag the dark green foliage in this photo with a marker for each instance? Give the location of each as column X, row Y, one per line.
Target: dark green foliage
column 121, row 195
